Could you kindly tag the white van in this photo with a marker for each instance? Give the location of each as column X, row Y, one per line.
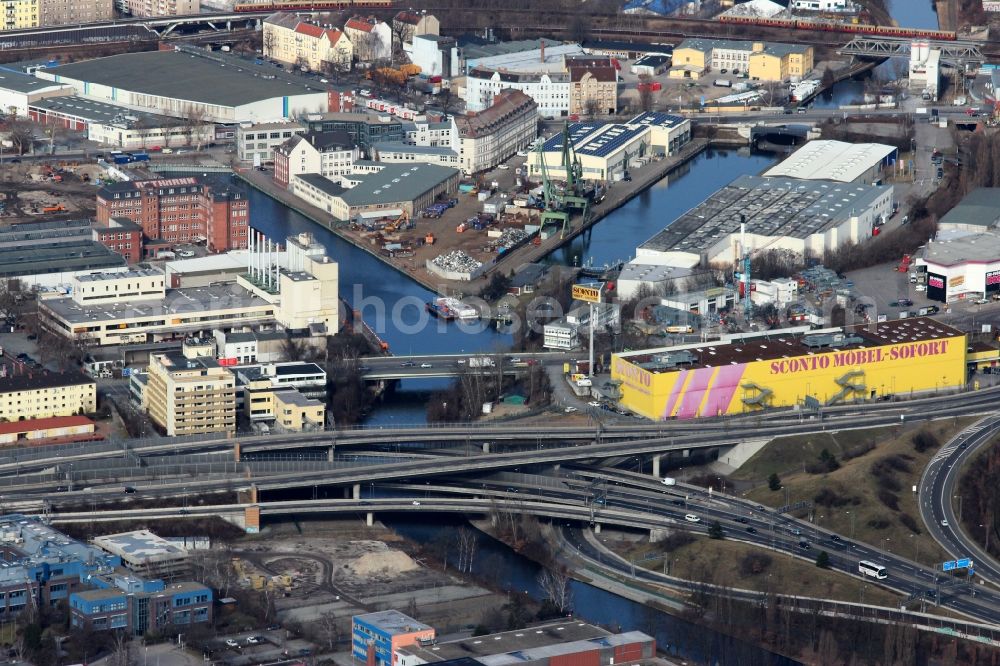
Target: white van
column 669, row 481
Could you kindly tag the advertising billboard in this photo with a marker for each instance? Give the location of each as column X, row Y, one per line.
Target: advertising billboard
column 937, row 287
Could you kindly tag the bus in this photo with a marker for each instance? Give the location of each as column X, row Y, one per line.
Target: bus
column 866, row 568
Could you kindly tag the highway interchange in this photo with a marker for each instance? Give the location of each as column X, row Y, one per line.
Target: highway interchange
column 466, row 469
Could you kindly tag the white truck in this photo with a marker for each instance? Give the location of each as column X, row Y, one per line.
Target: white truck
column 481, row 362
column 723, row 83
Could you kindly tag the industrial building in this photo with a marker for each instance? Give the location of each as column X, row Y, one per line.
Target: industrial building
column 607, row 150
column 118, row 126
column 375, row 637
column 961, row 265
column 925, row 70
column 978, row 211
column 568, row 332
column 550, row 644
column 390, row 187
column 761, row 61
column 755, row 371
column 805, row 217
column 364, row 129
column 51, row 430
column 821, row 159
column 188, row 209
column 55, row 261
column 256, row 142
column 181, row 83
column 329, row 154
column 402, row 153
column 19, row 90
column 298, row 296
column 40, row 394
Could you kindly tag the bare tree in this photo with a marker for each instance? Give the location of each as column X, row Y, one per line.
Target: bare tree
column 329, row 631
column 555, row 585
column 21, row 133
column 645, row 92
column 269, row 41
column 120, row 650
column 195, row 120
column 467, row 544
column 591, row 107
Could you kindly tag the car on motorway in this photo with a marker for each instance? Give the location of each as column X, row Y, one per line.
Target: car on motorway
column 677, row 502
column 460, row 361
column 232, row 642
column 129, row 490
column 426, row 365
column 804, row 545
column 741, row 519
column 836, row 537
column 752, row 530
column 407, row 364
column 415, row 503
column 365, row 368
column 516, row 359
column 691, row 518
column 944, row 523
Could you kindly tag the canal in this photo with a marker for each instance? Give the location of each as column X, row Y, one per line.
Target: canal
column 393, row 304
column 502, row 568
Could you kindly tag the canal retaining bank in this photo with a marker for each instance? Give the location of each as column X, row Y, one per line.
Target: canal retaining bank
column 619, row 194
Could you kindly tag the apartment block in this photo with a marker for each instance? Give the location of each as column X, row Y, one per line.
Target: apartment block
column 18, row 14
column 372, row 39
column 293, row 41
column 41, row 394
column 162, row 7
column 62, row 12
column 180, row 210
column 593, row 90
column 408, row 24
column 190, row 396
column 487, row 138
column 327, row 153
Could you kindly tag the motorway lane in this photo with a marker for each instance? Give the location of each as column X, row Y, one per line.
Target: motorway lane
column 938, row 486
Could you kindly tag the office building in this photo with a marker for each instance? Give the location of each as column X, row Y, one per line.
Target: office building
column 64, row 12
column 299, row 297
column 122, row 236
column 329, row 154
column 550, row 644
column 293, row 41
column 188, row 209
column 401, row 153
column 261, row 346
column 290, row 396
column 763, row 61
column 146, row 554
column 375, row 637
column 39, row 394
column 191, row 83
column 136, row 606
column 256, row 142
column 567, row 332
column 493, row 135
column 190, row 395
column 364, row 129
column 388, row 187
column 606, row 150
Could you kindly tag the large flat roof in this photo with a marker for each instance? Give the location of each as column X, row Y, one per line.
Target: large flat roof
column 139, row 547
column 831, row 160
column 789, row 344
column 397, row 182
column 21, row 82
column 392, row 622
column 770, row 206
column 57, row 257
column 96, row 111
column 182, row 76
column 187, row 299
column 953, row 248
column 980, row 207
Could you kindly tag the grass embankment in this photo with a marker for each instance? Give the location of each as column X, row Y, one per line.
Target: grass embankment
column 740, row 565
column 865, row 489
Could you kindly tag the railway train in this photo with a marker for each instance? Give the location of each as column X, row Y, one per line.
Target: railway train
column 859, row 28
column 310, row 5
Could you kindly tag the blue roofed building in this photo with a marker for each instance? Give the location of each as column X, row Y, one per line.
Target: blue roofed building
column 607, row 150
column 660, row 7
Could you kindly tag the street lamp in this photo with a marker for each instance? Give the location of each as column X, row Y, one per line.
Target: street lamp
column 852, row 523
column 885, row 549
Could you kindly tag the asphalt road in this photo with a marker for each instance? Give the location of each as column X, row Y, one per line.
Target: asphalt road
column 938, row 486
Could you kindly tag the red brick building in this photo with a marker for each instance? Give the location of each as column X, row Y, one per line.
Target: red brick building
column 120, row 235
column 180, row 210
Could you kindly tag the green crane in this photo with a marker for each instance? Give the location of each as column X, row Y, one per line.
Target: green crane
column 559, row 202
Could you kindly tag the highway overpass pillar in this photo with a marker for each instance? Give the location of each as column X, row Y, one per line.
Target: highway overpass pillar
column 330, row 453
column 656, row 465
column 686, row 453
column 597, row 528
column 236, row 452
column 369, row 519
column 486, row 447
column 357, row 491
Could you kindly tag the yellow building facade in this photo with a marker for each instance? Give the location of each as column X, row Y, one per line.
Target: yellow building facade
column 18, row 14
column 761, row 61
column 295, row 412
column 41, row 395
column 753, row 374
column 190, row 396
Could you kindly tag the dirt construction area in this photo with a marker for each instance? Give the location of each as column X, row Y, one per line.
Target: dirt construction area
column 47, row 190
column 349, row 571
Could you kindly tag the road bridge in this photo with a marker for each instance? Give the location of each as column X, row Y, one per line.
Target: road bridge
column 451, row 365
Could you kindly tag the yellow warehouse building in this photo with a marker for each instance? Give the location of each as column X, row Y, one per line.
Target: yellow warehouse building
column 784, row 368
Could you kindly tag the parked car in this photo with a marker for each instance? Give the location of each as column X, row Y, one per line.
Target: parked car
column 232, row 642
